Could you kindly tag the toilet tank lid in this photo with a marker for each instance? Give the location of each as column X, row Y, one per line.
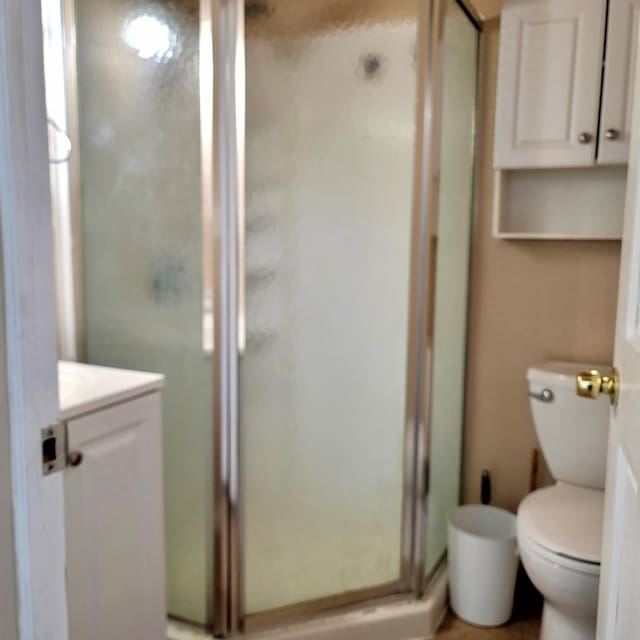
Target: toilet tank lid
column 562, row 374
column 565, row 519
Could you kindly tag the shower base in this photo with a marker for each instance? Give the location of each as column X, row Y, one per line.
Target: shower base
column 403, row 619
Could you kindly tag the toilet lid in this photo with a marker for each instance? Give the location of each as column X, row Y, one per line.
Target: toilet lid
column 565, row 519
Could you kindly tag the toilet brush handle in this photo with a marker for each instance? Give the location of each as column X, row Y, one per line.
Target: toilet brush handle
column 485, row 487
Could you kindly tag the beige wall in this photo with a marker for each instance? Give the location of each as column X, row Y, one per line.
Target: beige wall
column 530, row 301
column 487, row 8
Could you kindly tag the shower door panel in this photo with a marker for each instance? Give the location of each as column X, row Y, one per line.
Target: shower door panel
column 330, row 143
column 142, row 238
column 455, row 217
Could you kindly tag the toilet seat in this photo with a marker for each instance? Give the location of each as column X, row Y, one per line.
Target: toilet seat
column 564, row 522
column 551, row 559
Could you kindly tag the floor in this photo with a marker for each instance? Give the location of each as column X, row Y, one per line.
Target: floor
column 180, row 631
column 517, row 629
column 524, row 625
column 520, row 628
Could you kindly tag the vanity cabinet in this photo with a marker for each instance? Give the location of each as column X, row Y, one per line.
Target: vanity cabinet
column 113, row 503
column 564, row 100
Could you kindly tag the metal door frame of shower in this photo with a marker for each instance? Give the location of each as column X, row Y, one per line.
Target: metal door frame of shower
column 228, row 40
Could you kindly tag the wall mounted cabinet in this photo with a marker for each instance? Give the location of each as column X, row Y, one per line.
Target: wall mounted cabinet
column 563, row 83
column 563, row 117
column 618, row 78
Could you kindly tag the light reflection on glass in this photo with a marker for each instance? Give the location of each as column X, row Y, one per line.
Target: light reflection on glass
column 150, row 37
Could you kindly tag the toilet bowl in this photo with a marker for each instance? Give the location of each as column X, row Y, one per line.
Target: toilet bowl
column 559, row 538
column 560, row 527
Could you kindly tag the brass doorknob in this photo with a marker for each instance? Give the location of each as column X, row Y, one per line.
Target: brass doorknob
column 590, row 384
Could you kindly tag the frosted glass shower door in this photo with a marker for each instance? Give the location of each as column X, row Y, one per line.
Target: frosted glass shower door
column 142, row 237
column 455, row 218
column 330, row 142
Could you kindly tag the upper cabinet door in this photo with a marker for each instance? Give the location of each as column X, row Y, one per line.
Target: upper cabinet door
column 619, row 72
column 549, row 80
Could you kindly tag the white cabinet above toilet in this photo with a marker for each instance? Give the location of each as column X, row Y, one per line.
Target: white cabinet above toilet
column 563, row 82
column 618, row 78
column 563, row 118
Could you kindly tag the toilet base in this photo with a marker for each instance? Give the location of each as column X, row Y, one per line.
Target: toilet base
column 562, row 625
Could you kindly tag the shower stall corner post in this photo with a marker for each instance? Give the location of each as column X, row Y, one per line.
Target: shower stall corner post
column 207, row 179
column 480, row 88
column 228, row 185
column 423, row 267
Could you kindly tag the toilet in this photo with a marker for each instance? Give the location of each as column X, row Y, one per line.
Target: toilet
column 560, row 527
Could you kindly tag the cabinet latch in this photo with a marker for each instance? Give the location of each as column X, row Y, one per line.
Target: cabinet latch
column 54, row 448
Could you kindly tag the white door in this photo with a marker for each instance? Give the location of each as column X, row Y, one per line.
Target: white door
column 549, row 80
column 115, row 523
column 617, row 90
column 618, row 611
column 29, row 329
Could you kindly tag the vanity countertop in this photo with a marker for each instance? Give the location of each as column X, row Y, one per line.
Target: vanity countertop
column 84, row 388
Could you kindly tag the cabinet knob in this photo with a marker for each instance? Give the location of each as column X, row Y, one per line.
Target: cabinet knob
column 611, row 134
column 585, row 138
column 75, row 458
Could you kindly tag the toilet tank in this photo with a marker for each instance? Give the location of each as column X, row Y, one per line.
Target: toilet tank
column 572, row 431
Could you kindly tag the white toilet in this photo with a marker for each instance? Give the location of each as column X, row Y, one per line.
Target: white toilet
column 560, row 527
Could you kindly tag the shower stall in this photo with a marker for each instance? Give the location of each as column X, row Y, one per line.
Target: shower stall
column 271, row 202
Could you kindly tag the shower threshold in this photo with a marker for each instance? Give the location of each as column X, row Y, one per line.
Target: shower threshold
column 402, row 619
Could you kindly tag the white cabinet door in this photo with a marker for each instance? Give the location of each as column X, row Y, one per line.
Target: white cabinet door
column 617, row 91
column 115, row 523
column 549, row 81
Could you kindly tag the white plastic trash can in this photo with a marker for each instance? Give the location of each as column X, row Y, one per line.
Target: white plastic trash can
column 483, row 563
